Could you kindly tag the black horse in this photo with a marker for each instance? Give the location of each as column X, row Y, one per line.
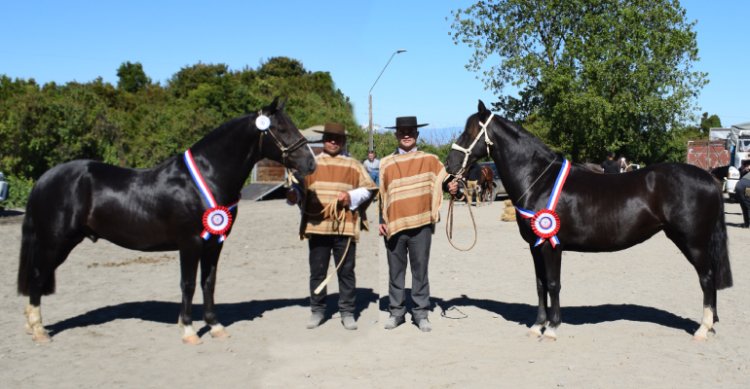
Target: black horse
column 156, row 209
column 598, row 212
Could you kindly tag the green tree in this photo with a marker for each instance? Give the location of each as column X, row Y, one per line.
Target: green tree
column 594, row 75
column 708, row 122
column 132, row 78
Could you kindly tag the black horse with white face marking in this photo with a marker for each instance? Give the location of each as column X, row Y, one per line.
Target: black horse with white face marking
column 594, row 212
column 156, row 209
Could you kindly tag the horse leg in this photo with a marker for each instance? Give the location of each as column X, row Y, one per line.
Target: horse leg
column 553, row 263
column 699, row 258
column 189, row 258
column 36, row 277
column 209, row 265
column 706, row 279
column 541, row 291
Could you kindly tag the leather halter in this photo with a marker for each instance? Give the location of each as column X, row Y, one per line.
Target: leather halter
column 467, row 151
column 285, row 151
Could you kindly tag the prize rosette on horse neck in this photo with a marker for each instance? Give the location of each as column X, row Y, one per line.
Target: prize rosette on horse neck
column 546, row 223
column 217, row 219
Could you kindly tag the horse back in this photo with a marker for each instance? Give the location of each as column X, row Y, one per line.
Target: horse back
column 601, row 212
column 142, row 209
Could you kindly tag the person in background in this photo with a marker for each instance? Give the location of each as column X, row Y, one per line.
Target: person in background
column 611, row 166
column 742, row 194
column 372, row 166
column 411, row 191
column 338, row 187
column 472, row 184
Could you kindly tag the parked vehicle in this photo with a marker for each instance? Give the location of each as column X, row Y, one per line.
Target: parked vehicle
column 3, row 189
column 726, row 151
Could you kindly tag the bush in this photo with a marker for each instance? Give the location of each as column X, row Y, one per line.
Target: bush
column 18, row 192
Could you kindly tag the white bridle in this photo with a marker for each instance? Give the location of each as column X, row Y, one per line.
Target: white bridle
column 467, row 151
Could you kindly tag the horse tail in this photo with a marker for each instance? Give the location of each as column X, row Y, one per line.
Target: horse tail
column 717, row 248
column 29, row 263
column 28, row 248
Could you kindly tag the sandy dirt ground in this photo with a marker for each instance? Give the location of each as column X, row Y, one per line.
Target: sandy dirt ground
column 627, row 317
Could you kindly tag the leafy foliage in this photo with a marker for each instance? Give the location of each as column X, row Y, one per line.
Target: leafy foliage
column 139, row 124
column 594, row 76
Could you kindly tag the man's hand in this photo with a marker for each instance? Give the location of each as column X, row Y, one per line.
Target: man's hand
column 344, row 199
column 453, row 187
column 383, row 230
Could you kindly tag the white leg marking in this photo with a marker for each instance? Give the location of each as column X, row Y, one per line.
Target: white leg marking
column 218, row 331
column 189, row 336
column 34, row 325
column 535, row 330
column 707, row 323
column 550, row 333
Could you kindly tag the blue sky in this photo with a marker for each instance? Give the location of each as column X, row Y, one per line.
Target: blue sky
column 64, row 41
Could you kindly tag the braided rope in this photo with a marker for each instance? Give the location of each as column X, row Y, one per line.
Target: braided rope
column 449, row 224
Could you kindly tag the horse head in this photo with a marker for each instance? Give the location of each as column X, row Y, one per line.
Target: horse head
column 473, row 144
column 285, row 143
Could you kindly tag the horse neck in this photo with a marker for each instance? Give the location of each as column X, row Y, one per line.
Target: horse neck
column 226, row 160
column 522, row 160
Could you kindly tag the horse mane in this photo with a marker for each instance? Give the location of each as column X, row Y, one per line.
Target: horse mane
column 531, row 143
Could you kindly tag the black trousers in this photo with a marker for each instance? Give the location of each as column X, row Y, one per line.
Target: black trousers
column 739, row 191
column 412, row 246
column 321, row 248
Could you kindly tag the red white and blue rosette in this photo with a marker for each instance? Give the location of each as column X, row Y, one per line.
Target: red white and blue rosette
column 216, row 221
column 546, row 223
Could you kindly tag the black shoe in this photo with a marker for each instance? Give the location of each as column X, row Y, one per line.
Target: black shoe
column 315, row 320
column 393, row 322
column 349, row 322
column 424, row 325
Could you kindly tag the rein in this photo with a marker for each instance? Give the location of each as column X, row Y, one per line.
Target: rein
column 449, row 226
column 535, row 181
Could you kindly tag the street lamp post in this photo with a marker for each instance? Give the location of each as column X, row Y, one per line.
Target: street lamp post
column 369, row 94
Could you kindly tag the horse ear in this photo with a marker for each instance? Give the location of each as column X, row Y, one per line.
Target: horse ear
column 283, row 104
column 480, row 107
column 274, row 104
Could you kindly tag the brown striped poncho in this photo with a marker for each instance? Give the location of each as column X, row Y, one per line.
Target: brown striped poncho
column 333, row 175
column 411, row 190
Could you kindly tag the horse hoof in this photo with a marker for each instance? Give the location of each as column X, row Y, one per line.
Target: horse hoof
column 192, row 340
column 219, row 333
column 549, row 334
column 41, row 337
column 535, row 331
column 701, row 334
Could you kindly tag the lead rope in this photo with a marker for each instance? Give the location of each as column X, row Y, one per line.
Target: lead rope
column 339, row 218
column 449, row 224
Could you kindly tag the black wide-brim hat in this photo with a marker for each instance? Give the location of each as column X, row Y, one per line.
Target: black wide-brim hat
column 333, row 129
column 407, row 122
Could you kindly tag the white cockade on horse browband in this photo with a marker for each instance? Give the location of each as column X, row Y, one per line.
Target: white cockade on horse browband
column 262, row 122
column 217, row 219
column 545, row 223
column 467, row 151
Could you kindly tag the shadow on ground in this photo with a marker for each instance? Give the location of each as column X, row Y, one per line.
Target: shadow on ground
column 525, row 314
column 167, row 312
